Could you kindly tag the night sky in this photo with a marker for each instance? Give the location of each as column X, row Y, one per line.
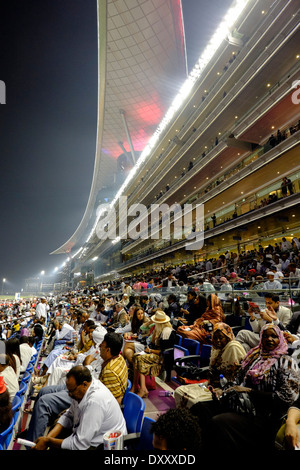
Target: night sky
column 48, row 61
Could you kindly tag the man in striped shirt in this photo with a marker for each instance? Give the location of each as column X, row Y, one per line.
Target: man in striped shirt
column 114, row 372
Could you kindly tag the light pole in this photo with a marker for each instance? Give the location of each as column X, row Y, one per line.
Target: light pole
column 3, row 282
column 41, row 285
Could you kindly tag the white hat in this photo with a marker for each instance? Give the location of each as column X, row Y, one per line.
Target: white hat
column 270, row 273
column 160, row 317
column 98, row 334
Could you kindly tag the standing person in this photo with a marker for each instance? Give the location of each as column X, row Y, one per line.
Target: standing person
column 41, row 309
column 214, row 220
column 93, row 412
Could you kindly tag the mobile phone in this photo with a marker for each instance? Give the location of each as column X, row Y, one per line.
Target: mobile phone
column 255, row 309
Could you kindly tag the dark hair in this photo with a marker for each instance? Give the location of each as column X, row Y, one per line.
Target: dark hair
column 273, row 296
column 24, row 339
column 135, row 322
column 202, row 302
column 172, row 297
column 6, row 413
column 80, row 373
column 179, row 428
column 13, row 348
column 114, row 342
column 192, row 293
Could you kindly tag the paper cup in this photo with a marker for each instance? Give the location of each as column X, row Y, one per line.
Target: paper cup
column 113, row 440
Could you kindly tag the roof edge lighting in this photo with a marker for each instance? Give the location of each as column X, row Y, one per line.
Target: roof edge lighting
column 221, row 33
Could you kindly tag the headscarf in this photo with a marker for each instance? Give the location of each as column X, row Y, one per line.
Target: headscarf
column 227, row 360
column 225, row 329
column 264, row 360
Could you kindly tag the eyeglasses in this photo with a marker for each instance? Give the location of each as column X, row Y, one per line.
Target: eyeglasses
column 71, row 392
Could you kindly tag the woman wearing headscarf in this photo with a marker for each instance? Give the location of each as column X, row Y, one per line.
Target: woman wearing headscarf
column 163, row 337
column 267, row 384
column 201, row 329
column 226, row 357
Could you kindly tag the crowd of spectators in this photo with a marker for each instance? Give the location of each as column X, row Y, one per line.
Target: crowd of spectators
column 98, row 339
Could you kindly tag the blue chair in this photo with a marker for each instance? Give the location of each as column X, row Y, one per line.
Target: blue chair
column 29, row 368
column 16, row 406
column 142, row 440
column 180, row 351
column 129, row 385
column 170, row 355
column 133, row 412
column 22, row 390
column 178, row 340
column 247, row 325
column 26, row 377
column 205, row 353
column 146, row 436
column 6, row 436
column 192, row 345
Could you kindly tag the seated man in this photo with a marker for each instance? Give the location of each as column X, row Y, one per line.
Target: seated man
column 27, row 350
column 52, row 400
column 114, row 372
column 274, row 313
column 92, row 413
column 63, row 347
column 62, row 364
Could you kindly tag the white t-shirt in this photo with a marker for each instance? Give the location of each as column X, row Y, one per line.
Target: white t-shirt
column 11, row 381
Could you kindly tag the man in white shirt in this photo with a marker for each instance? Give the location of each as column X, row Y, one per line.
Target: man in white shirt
column 274, row 313
column 93, row 412
column 285, row 245
column 27, row 350
column 41, row 309
column 271, row 283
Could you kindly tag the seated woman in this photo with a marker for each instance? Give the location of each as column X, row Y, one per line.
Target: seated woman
column 249, row 412
column 201, row 329
column 226, row 357
column 196, row 309
column 9, row 376
column 13, row 351
column 6, row 413
column 151, row 363
column 140, row 324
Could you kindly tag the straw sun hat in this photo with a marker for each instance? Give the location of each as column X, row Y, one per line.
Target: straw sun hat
column 160, row 317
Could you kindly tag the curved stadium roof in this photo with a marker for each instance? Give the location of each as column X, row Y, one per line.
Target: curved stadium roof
column 141, row 66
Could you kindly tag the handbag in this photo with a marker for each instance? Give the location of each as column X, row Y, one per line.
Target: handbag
column 238, row 402
column 188, row 395
column 186, row 367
